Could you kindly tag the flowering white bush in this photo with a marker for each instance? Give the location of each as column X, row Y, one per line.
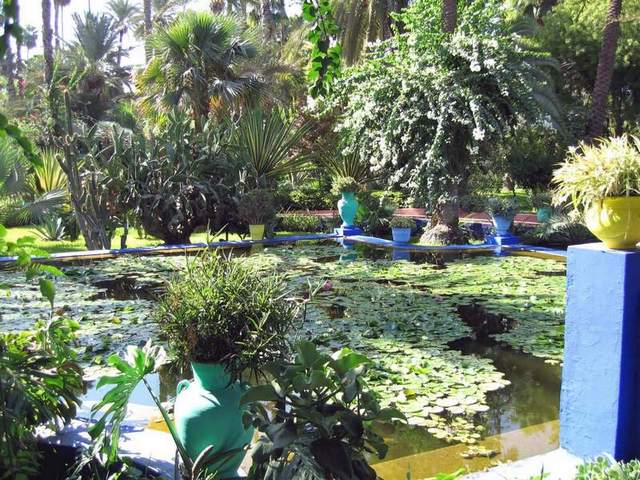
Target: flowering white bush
column 424, row 106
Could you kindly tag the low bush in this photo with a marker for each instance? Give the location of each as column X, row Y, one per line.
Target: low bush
column 560, row 231
column 300, row 223
column 402, row 222
column 222, row 311
column 311, row 195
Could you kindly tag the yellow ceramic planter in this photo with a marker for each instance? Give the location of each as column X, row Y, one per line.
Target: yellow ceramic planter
column 615, row 221
column 256, row 232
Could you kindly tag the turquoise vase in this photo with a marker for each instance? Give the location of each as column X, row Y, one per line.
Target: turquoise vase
column 207, row 412
column 543, row 214
column 348, row 206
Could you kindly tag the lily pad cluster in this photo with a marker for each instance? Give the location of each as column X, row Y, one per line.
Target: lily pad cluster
column 402, row 315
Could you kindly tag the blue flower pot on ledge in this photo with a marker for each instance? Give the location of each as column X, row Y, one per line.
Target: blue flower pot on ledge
column 502, row 225
column 348, row 206
column 401, row 235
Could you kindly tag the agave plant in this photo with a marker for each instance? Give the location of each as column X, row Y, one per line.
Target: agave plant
column 51, row 228
column 26, row 195
column 266, row 143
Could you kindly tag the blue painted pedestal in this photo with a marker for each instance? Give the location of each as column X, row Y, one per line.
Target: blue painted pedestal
column 348, row 231
column 500, row 240
column 600, row 400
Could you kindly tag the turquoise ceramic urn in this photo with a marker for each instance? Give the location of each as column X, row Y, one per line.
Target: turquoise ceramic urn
column 348, row 206
column 207, row 412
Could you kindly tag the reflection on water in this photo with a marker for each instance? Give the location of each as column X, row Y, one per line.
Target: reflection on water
column 521, row 421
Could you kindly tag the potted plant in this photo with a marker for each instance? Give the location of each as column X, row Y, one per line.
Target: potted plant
column 603, row 181
column 224, row 319
column 350, row 175
column 257, row 209
column 541, row 202
column 502, row 211
column 401, row 228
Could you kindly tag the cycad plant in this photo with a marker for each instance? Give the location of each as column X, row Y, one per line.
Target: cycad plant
column 197, row 64
column 93, row 76
column 266, row 146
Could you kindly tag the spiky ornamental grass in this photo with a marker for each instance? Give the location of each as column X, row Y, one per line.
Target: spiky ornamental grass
column 609, row 168
column 223, row 311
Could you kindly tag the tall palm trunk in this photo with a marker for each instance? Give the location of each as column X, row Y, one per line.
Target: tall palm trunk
column 606, row 64
column 146, row 7
column 46, row 41
column 268, row 24
column 56, row 23
column 449, row 15
column 18, row 43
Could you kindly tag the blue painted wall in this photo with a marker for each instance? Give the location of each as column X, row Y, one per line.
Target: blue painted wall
column 600, row 398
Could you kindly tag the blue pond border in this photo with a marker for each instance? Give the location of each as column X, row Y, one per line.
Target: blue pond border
column 517, row 249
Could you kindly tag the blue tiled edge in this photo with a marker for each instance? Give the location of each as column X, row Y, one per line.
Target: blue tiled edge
column 363, row 239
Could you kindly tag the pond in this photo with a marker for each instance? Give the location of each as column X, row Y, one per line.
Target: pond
column 468, row 346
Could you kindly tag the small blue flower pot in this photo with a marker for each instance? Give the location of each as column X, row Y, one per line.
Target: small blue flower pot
column 401, row 235
column 502, row 225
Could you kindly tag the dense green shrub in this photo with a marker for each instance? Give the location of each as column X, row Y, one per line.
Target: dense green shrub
column 222, row 311
column 560, row 231
column 300, row 223
column 605, row 468
column 257, row 207
column 311, row 195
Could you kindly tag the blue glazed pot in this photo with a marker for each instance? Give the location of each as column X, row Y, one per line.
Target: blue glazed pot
column 207, row 412
column 348, row 206
column 401, row 235
column 502, row 224
column 543, row 214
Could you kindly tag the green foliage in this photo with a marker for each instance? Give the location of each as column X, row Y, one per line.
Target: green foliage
column 265, row 144
column 324, row 64
column 424, row 108
column 504, row 207
column 257, row 207
column 347, row 168
column 342, row 185
column 610, row 168
column 300, row 223
column 531, row 153
column 560, row 231
column 541, row 200
column 310, row 194
column 374, row 213
column 322, row 424
column 40, row 385
column 606, row 468
column 177, row 180
column 51, row 228
column 221, row 311
column 402, row 222
column 572, row 33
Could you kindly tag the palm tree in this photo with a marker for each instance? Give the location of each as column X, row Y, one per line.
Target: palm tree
column 58, row 22
column 362, row 22
column 123, row 12
column 95, row 79
column 29, row 38
column 606, row 64
column 197, row 63
column 47, row 41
